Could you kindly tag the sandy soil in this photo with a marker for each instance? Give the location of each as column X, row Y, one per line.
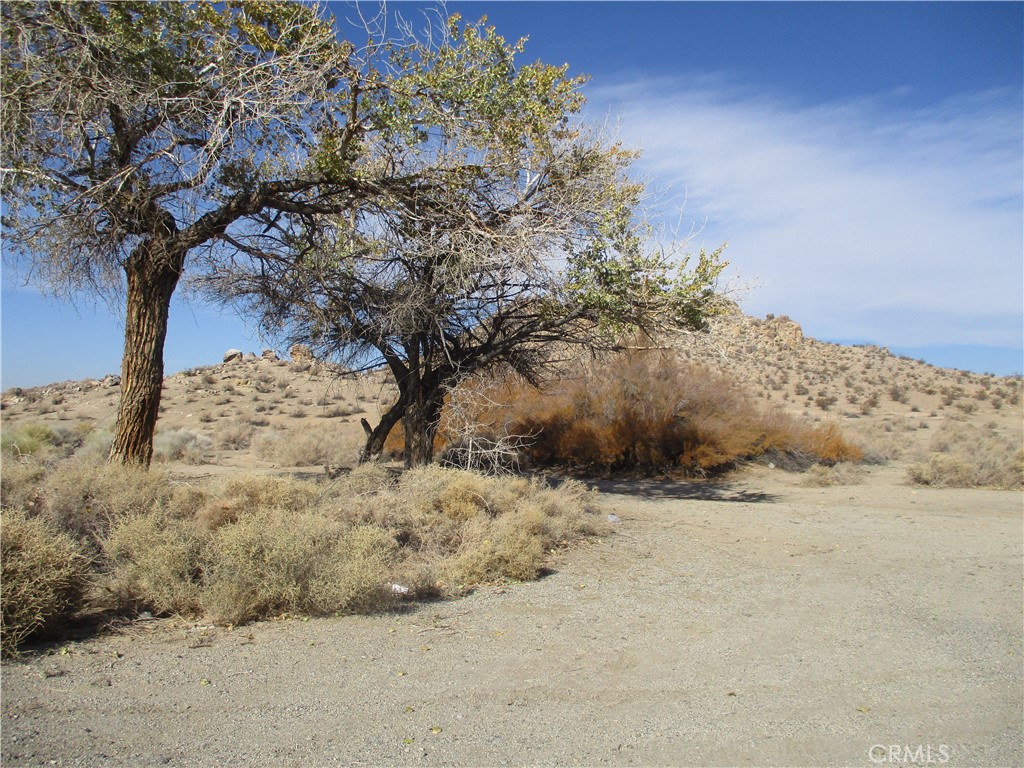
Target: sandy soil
column 751, row 622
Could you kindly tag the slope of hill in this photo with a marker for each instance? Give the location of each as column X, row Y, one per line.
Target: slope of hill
column 265, row 413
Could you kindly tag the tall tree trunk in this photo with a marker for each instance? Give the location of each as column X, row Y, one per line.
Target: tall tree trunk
column 152, row 277
column 420, row 423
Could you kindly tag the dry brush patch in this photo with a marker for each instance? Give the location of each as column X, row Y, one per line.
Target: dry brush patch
column 103, row 539
column 654, row 413
column 44, row 576
column 965, row 455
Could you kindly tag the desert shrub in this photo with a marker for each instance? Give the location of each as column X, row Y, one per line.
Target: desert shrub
column 20, row 481
column 965, row 455
column 275, row 561
column 29, row 440
column 899, row 394
column 309, row 446
column 181, row 445
column 245, row 548
column 236, row 496
column 95, row 447
column 44, row 574
column 337, row 411
column 153, row 562
column 468, row 528
column 235, row 437
column 824, row 475
column 825, row 402
column 659, row 414
column 364, row 479
column 884, row 441
column 85, row 499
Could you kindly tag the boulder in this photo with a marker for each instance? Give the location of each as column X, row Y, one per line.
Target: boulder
column 300, row 352
column 111, row 380
column 232, row 354
column 269, row 354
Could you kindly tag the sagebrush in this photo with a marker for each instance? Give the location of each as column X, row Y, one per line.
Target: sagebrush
column 87, row 539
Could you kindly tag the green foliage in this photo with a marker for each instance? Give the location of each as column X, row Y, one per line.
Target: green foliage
column 28, row 440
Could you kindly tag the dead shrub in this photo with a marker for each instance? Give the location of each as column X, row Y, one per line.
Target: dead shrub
column 85, row 500
column 44, row 573
column 309, row 447
column 154, row 563
column 965, row 455
column 235, row 437
column 181, row 445
column 653, row 414
column 275, row 561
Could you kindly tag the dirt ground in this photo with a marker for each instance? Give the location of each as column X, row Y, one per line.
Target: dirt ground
column 756, row 621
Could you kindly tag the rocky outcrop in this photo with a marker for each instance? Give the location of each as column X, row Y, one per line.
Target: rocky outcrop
column 737, row 332
column 300, row 353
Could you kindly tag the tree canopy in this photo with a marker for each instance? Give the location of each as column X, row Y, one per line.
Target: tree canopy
column 422, row 200
column 522, row 234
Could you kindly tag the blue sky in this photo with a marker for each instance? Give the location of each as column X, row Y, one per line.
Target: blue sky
column 865, row 162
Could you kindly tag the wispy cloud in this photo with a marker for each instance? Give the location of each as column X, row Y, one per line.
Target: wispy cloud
column 861, row 218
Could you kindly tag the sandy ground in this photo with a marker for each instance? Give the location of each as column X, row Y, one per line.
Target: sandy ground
column 751, row 622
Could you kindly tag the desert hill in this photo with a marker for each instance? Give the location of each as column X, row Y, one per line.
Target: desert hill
column 264, row 412
column 769, row 616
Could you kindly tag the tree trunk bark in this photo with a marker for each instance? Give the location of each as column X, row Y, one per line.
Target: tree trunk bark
column 152, row 277
column 421, row 420
column 375, row 438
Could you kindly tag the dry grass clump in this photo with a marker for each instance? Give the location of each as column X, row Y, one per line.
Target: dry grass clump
column 44, row 575
column 641, row 412
column 116, row 539
column 181, row 445
column 84, row 500
column 965, row 455
column 306, row 447
column 468, row 529
column 824, row 476
column 274, row 561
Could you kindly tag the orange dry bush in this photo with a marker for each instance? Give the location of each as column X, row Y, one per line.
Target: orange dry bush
column 394, row 445
column 655, row 413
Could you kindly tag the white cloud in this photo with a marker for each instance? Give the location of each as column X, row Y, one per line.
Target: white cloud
column 861, row 219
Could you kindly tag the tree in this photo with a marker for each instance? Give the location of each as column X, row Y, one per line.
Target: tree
column 141, row 139
column 521, row 237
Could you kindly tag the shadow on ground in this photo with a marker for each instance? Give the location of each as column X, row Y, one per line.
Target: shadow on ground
column 668, row 488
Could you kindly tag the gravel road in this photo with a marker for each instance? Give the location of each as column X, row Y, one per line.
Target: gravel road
column 755, row 622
